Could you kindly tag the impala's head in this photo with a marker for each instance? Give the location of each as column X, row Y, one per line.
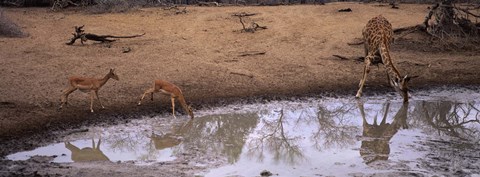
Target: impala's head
column 190, row 112
column 401, row 86
column 112, row 74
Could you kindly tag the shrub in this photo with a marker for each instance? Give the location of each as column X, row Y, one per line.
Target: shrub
column 115, row 6
column 8, row 28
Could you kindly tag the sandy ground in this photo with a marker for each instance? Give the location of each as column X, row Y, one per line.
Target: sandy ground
column 201, row 52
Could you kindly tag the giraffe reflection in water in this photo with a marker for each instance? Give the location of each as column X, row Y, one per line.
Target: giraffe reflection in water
column 376, row 137
column 87, row 154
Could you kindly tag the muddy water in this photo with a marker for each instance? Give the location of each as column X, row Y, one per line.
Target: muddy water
column 438, row 132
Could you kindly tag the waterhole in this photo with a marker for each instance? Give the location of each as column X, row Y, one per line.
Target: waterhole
column 437, row 132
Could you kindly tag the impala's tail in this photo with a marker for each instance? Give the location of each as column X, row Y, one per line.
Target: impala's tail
column 187, row 108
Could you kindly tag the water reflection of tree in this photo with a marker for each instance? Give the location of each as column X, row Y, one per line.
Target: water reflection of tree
column 333, row 128
column 224, row 134
column 376, row 137
column 450, row 156
column 132, row 141
column 273, row 137
column 453, row 119
column 170, row 139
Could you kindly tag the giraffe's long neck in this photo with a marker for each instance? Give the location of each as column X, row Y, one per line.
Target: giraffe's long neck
column 387, row 61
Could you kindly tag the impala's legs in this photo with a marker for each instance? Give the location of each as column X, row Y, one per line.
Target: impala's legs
column 150, row 90
column 98, row 143
column 98, row 98
column 91, row 100
column 366, row 70
column 173, row 106
column 65, row 94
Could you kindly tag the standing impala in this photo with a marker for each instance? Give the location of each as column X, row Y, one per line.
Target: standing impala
column 170, row 89
column 85, row 84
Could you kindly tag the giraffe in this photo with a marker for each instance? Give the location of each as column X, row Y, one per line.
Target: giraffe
column 378, row 35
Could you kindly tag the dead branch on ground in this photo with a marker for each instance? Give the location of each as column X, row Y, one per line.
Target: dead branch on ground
column 345, row 10
column 60, row 4
column 394, row 5
column 126, row 49
column 253, row 26
column 358, row 41
column 375, row 62
column 252, row 53
column 241, row 74
column 16, row 4
column 176, row 9
column 208, row 4
column 354, row 58
column 80, row 34
column 244, row 14
column 402, row 32
column 341, row 57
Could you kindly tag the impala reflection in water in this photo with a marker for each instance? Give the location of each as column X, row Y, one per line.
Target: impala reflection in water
column 337, row 137
column 87, row 154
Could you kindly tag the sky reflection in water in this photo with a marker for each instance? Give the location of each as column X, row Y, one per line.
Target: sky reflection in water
column 328, row 137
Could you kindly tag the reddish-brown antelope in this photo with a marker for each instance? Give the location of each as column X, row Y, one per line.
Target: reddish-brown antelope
column 86, row 84
column 87, row 154
column 378, row 35
column 170, row 89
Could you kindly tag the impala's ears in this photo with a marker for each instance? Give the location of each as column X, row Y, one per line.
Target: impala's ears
column 407, row 78
column 112, row 70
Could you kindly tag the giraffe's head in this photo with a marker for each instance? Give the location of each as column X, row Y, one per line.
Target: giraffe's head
column 401, row 86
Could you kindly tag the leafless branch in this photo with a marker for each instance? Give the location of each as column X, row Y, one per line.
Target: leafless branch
column 252, row 53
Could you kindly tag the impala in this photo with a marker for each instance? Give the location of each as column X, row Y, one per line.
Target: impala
column 170, row 89
column 86, row 84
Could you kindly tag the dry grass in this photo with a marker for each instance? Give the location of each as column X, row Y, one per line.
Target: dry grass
column 201, row 52
column 118, row 6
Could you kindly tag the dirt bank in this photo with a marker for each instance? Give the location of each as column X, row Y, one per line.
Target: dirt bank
column 202, row 52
